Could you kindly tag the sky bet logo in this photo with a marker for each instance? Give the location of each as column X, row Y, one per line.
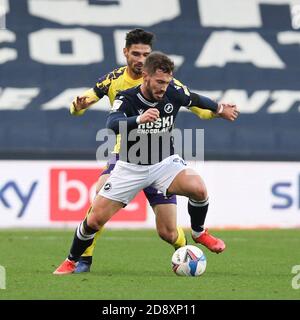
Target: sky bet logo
column 287, row 194
column 15, row 198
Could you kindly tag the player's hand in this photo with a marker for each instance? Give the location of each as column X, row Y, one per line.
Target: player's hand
column 228, row 111
column 82, row 103
column 151, row 115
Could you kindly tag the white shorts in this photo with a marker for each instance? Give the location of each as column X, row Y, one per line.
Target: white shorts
column 127, row 179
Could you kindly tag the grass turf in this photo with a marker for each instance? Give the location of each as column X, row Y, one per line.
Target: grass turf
column 136, row 264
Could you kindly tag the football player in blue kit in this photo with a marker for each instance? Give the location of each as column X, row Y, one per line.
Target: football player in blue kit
column 148, row 112
column 138, row 45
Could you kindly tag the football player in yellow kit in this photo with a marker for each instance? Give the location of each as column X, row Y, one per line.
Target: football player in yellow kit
column 138, row 46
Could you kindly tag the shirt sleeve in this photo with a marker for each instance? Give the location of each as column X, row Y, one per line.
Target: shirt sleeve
column 184, row 94
column 121, row 112
column 203, row 114
column 203, row 102
column 102, row 86
column 190, row 99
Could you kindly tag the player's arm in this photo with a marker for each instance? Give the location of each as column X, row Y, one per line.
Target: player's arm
column 81, row 103
column 114, row 119
column 203, row 114
column 223, row 110
column 121, row 112
column 195, row 101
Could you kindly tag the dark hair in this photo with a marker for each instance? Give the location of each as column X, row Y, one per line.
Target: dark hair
column 158, row 60
column 137, row 36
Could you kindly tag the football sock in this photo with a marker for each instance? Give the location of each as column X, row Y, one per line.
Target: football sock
column 197, row 210
column 90, row 250
column 83, row 238
column 181, row 239
column 88, row 253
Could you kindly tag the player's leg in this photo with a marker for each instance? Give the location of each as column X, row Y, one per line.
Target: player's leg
column 102, row 210
column 166, row 225
column 165, row 210
column 86, row 259
column 121, row 187
column 189, row 183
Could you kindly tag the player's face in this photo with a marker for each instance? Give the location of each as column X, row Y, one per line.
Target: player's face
column 136, row 55
column 156, row 84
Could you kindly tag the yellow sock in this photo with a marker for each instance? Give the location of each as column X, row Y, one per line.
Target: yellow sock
column 181, row 239
column 90, row 250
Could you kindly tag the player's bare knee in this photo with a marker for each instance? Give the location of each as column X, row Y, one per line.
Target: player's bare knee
column 200, row 193
column 95, row 219
column 169, row 236
column 93, row 222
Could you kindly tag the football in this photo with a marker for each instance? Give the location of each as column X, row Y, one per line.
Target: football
column 189, row 261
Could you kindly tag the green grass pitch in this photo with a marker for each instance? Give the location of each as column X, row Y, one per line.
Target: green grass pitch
column 136, row 264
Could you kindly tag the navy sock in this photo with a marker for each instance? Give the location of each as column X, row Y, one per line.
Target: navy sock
column 197, row 210
column 83, row 238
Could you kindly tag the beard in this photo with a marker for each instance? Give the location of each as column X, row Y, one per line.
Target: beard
column 151, row 95
column 136, row 69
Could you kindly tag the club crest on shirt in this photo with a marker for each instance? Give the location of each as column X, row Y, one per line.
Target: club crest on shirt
column 168, row 108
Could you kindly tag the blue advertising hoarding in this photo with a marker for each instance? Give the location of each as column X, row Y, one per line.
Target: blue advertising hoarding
column 246, row 52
